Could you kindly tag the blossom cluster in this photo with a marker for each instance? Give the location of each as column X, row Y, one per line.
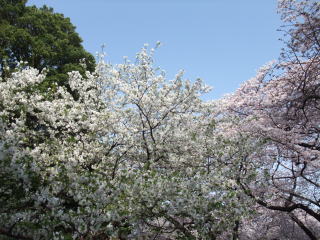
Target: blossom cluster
column 122, row 153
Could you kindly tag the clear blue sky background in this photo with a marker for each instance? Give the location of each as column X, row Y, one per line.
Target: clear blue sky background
column 223, row 42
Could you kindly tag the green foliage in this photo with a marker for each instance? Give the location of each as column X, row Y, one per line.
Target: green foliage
column 41, row 38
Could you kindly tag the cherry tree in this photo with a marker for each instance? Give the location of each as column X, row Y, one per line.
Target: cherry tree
column 125, row 153
column 278, row 110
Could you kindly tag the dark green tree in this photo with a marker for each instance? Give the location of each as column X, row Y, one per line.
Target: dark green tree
column 43, row 39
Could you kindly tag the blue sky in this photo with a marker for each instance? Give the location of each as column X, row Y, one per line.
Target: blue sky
column 224, row 42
